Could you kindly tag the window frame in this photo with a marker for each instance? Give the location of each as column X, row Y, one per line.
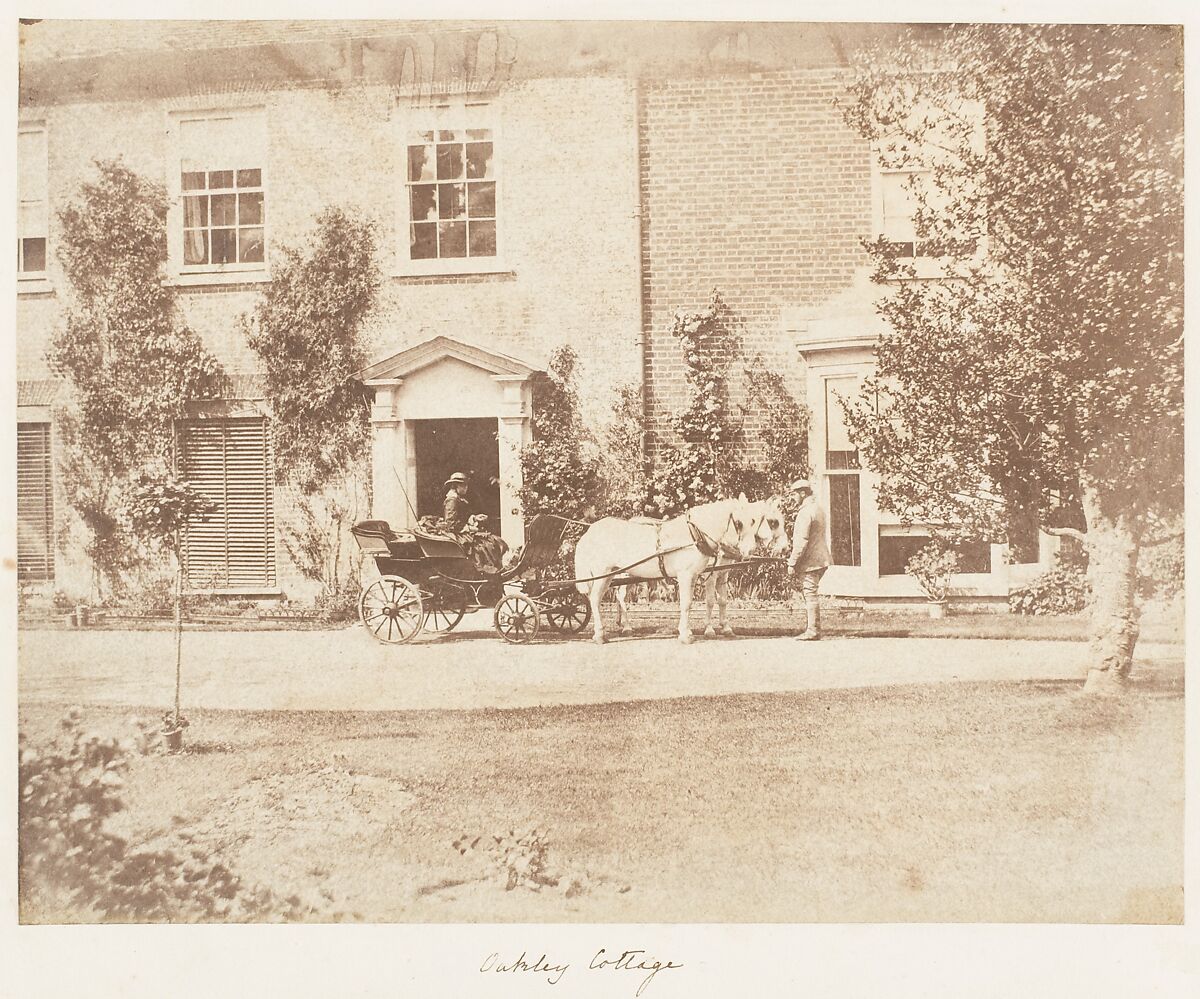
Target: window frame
column 209, row 273
column 458, row 113
column 852, row 468
column 41, row 276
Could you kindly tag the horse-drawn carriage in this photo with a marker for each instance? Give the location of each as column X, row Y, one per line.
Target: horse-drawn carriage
column 427, row 583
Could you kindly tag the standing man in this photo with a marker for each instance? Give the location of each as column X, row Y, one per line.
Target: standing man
column 457, row 507
column 810, row 555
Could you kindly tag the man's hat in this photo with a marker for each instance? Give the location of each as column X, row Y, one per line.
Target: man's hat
column 801, row 485
column 457, row 479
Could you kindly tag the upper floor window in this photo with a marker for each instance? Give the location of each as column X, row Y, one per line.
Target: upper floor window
column 898, row 208
column 449, row 214
column 32, row 203
column 221, row 220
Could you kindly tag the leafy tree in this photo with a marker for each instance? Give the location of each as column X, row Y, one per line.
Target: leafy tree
column 308, row 333
column 130, row 365
column 1044, row 376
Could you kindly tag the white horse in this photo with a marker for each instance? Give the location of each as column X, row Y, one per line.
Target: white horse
column 679, row 549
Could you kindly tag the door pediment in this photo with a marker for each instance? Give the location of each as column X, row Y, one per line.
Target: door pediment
column 407, row 362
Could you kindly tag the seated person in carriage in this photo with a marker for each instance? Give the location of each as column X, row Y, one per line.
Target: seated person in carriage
column 485, row 548
column 457, row 507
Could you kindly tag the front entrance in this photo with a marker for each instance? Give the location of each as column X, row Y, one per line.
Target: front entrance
column 470, row 446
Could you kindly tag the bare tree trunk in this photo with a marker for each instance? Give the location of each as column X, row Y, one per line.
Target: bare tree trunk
column 1112, row 570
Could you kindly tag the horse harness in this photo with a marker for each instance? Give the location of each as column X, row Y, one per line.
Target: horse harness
column 704, row 544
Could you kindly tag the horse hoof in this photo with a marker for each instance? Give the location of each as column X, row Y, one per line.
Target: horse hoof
column 728, row 631
column 599, row 639
column 710, row 632
column 686, row 639
column 626, row 630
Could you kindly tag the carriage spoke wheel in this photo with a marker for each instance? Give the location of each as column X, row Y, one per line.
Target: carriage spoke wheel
column 567, row 610
column 445, row 605
column 517, row 618
column 390, row 609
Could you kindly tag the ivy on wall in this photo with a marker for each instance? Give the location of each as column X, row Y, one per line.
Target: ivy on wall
column 129, row 363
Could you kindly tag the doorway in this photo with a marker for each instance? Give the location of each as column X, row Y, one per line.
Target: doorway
column 472, row 447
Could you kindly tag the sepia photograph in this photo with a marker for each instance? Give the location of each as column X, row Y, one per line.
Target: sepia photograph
column 544, row 471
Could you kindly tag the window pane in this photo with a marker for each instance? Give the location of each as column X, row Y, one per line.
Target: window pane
column 195, row 246
column 423, row 202
column 195, row 211
column 844, row 520
column 420, row 163
column 479, row 160
column 224, row 209
column 837, row 436
column 250, row 246
column 31, row 165
column 451, row 201
column 898, row 207
column 482, row 200
column 224, row 246
column 250, row 209
column 841, row 460
column 193, row 181
column 478, row 133
column 249, row 178
column 33, row 254
column 220, row 178
column 422, row 242
column 483, row 239
column 452, row 239
column 450, row 162
column 448, row 135
column 896, row 549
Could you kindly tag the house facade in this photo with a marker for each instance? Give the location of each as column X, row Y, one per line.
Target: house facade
column 536, row 185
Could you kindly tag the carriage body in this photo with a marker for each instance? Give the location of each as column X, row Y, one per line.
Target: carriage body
column 428, row 582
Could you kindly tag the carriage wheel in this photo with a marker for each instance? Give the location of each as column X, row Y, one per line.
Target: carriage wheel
column 567, row 610
column 445, row 606
column 517, row 618
column 390, row 609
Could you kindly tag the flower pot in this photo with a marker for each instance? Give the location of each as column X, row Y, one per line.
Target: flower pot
column 173, row 739
column 937, row 609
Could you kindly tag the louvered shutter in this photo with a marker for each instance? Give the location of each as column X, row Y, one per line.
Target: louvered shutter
column 35, row 503
column 233, row 546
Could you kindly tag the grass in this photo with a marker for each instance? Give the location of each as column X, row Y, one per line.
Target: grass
column 981, row 802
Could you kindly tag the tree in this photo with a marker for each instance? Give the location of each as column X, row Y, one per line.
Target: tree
column 308, row 333
column 131, row 366
column 1044, row 376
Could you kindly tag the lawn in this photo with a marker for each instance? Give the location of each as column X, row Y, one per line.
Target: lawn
column 981, row 802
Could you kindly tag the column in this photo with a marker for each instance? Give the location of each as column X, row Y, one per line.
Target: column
column 515, row 431
column 387, row 455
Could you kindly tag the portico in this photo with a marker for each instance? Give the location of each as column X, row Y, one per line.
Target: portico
column 445, row 379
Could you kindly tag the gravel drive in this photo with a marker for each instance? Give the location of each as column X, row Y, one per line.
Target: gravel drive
column 472, row 668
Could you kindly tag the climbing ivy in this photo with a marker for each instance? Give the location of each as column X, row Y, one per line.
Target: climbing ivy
column 130, row 365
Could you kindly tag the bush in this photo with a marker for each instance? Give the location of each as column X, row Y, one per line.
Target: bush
column 339, row 606
column 1160, row 570
column 70, row 865
column 1063, row 589
column 932, row 566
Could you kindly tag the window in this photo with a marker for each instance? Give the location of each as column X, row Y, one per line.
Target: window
column 32, row 207
column 222, row 192
column 899, row 206
column 35, row 503
column 450, row 198
column 895, row 549
column 228, row 462
column 842, row 470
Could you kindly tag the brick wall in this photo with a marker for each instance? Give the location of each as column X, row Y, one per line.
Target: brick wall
column 755, row 186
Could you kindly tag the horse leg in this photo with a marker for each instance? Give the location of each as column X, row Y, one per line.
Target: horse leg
column 594, row 598
column 685, row 580
column 623, row 624
column 710, row 587
column 722, row 587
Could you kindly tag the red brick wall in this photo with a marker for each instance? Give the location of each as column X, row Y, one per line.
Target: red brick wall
column 752, row 185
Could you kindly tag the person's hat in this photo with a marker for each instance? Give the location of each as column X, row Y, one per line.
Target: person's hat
column 801, row 485
column 457, row 479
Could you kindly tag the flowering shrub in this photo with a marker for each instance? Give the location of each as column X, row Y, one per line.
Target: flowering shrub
column 70, row 865
column 560, row 468
column 932, row 566
column 1063, row 589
